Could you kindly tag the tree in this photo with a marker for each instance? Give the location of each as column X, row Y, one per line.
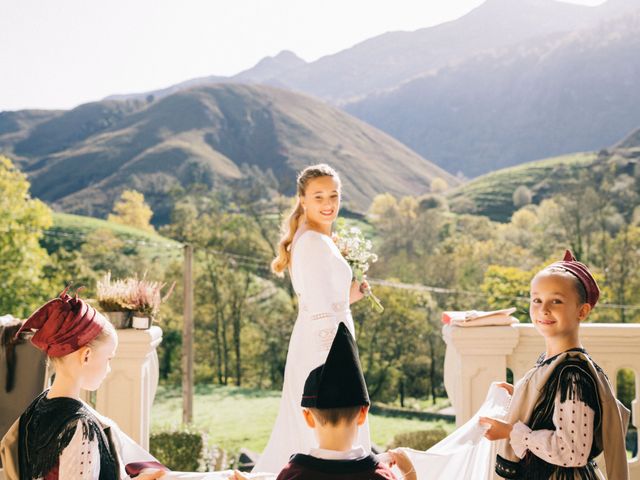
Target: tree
column 439, row 185
column 504, row 285
column 522, row 196
column 132, row 210
column 22, row 259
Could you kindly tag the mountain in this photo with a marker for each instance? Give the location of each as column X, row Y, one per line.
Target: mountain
column 80, row 160
column 392, row 58
column 631, row 141
column 395, row 57
column 270, row 68
column 568, row 92
column 266, row 71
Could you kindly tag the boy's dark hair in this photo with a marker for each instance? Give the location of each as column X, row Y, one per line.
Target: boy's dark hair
column 334, row 416
column 582, row 292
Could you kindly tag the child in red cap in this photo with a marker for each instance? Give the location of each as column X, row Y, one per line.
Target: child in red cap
column 563, row 412
column 59, row 436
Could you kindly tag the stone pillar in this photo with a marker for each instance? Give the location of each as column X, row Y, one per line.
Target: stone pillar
column 475, row 357
column 127, row 393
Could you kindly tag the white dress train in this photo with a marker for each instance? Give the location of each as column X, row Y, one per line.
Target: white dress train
column 465, row 454
column 322, row 280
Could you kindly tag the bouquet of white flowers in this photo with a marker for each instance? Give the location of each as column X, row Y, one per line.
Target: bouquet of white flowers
column 356, row 250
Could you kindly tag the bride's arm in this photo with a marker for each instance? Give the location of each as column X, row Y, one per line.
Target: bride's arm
column 322, row 300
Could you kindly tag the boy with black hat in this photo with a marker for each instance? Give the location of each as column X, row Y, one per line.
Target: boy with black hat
column 336, row 403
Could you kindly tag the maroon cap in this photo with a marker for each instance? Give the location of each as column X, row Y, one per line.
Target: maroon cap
column 63, row 325
column 580, row 270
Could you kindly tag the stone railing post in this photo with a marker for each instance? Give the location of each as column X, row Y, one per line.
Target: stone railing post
column 127, row 393
column 475, row 358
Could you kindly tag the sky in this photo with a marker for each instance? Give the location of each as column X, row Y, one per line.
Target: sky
column 59, row 54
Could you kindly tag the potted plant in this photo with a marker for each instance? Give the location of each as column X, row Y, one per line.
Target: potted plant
column 114, row 298
column 131, row 302
column 146, row 297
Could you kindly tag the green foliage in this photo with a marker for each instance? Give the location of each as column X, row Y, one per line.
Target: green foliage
column 180, row 450
column 503, row 284
column 400, row 349
column 419, row 440
column 132, row 210
column 626, row 386
column 22, row 260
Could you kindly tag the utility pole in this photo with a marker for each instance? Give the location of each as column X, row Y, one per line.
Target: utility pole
column 187, row 338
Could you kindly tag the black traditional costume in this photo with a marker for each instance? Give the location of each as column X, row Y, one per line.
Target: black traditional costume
column 564, row 413
column 338, row 383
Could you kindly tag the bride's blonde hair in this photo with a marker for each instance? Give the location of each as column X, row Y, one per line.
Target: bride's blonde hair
column 292, row 221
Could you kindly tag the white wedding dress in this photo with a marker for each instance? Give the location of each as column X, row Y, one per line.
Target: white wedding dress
column 322, row 279
column 465, row 454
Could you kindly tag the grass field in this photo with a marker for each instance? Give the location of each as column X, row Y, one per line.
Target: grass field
column 71, row 230
column 236, row 417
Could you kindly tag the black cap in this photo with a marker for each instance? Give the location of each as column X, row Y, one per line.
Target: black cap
column 339, row 382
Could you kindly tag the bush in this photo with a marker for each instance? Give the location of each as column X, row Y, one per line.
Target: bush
column 522, row 196
column 178, row 450
column 420, row 440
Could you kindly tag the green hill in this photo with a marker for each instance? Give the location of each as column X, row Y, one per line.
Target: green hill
column 71, row 232
column 492, row 194
column 79, row 161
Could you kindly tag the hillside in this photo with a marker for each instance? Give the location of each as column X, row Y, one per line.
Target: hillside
column 70, row 231
column 571, row 92
column 79, row 161
column 492, row 194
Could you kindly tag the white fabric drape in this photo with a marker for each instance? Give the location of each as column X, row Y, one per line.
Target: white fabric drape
column 465, row 454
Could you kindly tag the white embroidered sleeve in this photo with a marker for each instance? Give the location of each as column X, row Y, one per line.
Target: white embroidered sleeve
column 80, row 460
column 568, row 445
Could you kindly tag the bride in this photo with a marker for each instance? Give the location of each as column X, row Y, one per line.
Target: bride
column 323, row 282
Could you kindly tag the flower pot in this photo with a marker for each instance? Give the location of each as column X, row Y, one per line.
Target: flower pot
column 140, row 322
column 119, row 319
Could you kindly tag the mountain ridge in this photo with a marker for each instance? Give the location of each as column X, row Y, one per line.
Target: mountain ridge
column 80, row 160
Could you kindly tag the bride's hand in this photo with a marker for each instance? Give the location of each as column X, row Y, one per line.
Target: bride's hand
column 357, row 291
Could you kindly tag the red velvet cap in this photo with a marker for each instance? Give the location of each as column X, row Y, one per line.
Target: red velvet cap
column 63, row 325
column 580, row 270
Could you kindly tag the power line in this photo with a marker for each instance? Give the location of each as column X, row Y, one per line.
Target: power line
column 260, row 264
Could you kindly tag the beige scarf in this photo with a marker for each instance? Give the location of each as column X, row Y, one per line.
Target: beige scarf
column 609, row 437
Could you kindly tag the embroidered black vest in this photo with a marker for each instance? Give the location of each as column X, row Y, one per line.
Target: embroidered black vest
column 46, row 428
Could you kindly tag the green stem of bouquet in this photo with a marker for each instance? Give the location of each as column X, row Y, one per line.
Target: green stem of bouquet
column 374, row 301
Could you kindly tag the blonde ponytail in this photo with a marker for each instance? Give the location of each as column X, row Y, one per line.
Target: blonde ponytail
column 289, row 229
column 292, row 221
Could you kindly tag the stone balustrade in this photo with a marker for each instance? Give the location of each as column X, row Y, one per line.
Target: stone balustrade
column 127, row 394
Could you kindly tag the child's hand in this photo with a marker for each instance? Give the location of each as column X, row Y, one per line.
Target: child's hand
column 400, row 458
column 498, row 429
column 150, row 474
column 507, row 386
column 237, row 475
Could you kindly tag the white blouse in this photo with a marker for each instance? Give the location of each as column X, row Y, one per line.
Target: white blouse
column 80, row 460
column 568, row 445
